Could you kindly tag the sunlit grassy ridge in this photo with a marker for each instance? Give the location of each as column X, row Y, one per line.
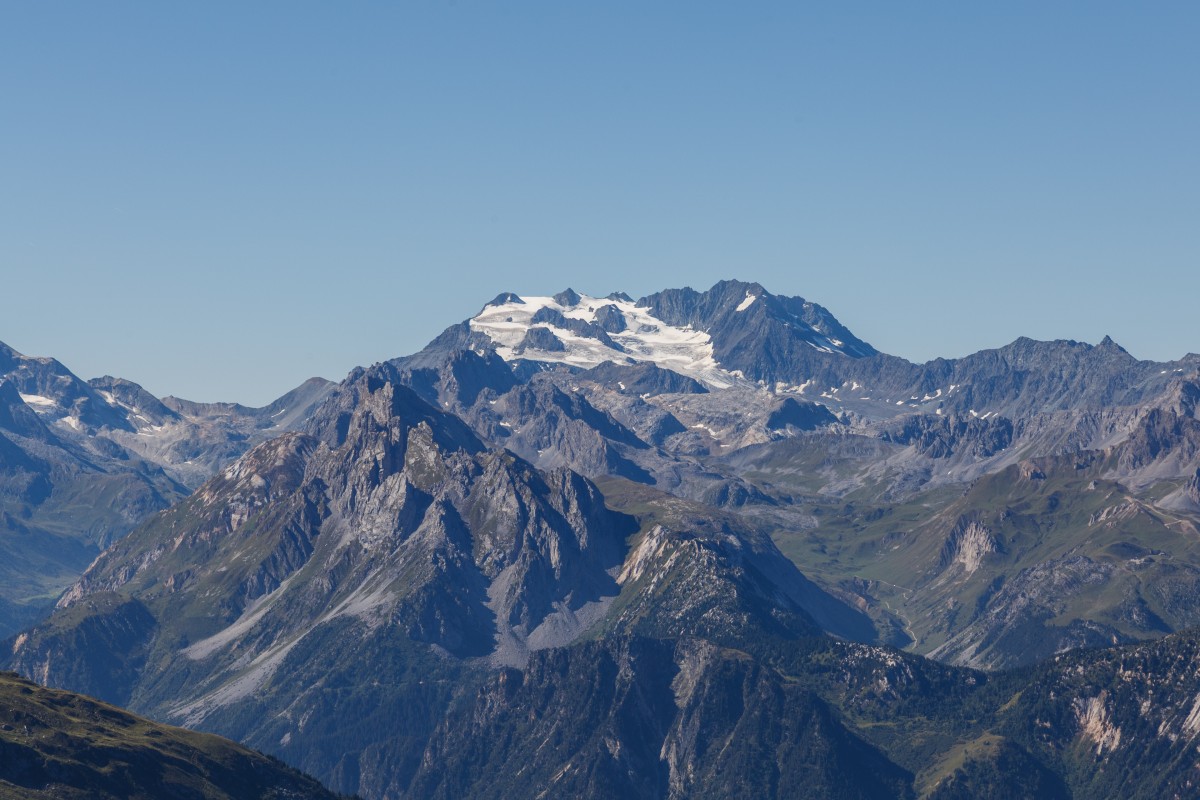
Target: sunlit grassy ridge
column 61, row 745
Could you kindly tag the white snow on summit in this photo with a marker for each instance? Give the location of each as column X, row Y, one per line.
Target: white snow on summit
column 645, row 338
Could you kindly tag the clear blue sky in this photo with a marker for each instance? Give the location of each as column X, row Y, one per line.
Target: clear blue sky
column 219, row 200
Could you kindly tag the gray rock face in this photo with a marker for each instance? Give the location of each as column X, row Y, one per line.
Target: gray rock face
column 610, row 319
column 590, row 330
column 800, row 415
column 714, row 309
column 943, row 436
column 651, row 720
column 567, row 297
column 541, row 338
column 551, row 428
column 1160, row 435
column 641, row 379
column 461, row 380
column 128, row 395
column 17, row 418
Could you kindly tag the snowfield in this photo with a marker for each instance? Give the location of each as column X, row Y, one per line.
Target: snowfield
column 645, row 338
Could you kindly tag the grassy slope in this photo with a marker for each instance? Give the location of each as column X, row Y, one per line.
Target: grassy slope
column 891, row 549
column 56, row 744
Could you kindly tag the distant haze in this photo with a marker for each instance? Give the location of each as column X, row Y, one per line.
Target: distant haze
column 220, row 200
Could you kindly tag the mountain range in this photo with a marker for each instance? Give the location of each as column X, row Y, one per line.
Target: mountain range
column 83, row 462
column 584, row 546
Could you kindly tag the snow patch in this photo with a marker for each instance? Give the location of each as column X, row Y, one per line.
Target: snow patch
column 749, row 301
column 701, row 426
column 38, row 401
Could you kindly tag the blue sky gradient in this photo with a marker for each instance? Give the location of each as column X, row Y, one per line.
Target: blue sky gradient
column 218, row 200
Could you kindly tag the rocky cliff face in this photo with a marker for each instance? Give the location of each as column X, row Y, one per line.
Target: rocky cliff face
column 941, row 437
column 651, row 719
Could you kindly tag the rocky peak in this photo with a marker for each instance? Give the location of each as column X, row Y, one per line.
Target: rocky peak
column 373, row 405
column 764, row 337
column 9, row 358
column 461, row 378
column 610, row 319
column 58, row 394
column 568, row 298
column 1026, row 353
column 504, row 298
column 540, row 338
column 128, row 395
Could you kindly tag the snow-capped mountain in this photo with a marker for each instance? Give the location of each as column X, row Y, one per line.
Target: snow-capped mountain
column 719, row 337
column 584, row 331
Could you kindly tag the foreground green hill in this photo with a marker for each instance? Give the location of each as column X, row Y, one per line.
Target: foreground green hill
column 56, row 744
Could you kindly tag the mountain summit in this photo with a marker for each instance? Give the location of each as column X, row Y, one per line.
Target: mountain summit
column 732, row 333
